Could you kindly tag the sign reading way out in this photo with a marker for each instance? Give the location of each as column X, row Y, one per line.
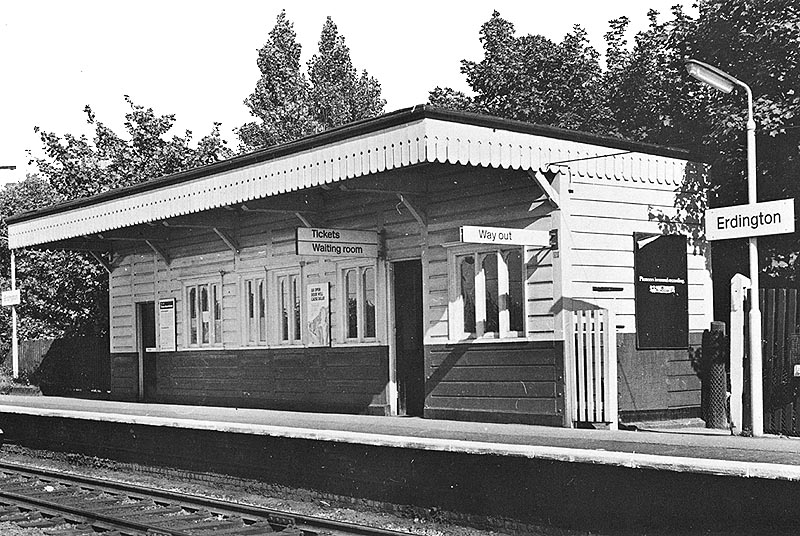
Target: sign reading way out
column 502, row 235
column 337, row 242
column 757, row 219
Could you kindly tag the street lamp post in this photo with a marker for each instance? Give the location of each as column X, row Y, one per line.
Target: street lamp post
column 722, row 81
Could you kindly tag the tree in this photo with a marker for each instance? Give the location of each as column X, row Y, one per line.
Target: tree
column 288, row 105
column 280, row 100
column 64, row 293
column 531, row 78
column 77, row 167
column 338, row 94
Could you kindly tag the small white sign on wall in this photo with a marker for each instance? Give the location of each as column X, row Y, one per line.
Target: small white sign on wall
column 11, row 297
column 318, row 314
column 166, row 325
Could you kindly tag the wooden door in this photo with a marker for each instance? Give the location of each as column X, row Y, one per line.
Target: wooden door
column 146, row 317
column 410, row 351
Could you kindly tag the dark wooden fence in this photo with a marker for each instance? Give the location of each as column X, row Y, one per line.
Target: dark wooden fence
column 781, row 351
column 79, row 366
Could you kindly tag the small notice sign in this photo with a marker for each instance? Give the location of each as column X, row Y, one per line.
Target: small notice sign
column 11, row 297
column 166, row 325
column 319, row 317
column 502, row 235
column 744, row 221
column 337, row 242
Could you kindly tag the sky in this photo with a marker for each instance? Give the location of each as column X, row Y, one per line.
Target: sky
column 197, row 59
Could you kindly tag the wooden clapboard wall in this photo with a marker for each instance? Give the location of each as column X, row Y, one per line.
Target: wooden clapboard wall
column 603, row 214
column 453, row 196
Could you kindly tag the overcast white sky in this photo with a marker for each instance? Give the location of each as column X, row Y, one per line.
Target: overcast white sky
column 196, row 59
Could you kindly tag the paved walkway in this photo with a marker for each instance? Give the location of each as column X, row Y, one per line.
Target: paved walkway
column 692, row 449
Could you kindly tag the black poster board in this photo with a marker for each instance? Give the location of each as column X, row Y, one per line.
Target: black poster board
column 661, row 291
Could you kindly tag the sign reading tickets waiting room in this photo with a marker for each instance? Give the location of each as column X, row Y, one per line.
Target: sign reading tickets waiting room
column 744, row 221
column 476, row 234
column 337, row 242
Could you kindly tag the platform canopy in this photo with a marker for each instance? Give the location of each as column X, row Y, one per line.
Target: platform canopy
column 396, row 140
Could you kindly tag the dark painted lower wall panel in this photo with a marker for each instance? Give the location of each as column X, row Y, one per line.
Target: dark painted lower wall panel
column 292, row 379
column 514, row 382
column 657, row 383
column 585, row 496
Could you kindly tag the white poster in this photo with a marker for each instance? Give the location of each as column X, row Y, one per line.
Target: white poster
column 319, row 317
column 166, row 325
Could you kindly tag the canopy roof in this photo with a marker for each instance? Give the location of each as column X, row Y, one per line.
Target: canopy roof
column 411, row 136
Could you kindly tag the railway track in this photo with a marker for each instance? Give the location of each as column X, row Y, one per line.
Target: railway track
column 69, row 505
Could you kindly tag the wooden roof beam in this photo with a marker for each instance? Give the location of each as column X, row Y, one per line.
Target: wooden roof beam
column 158, row 250
column 84, row 243
column 247, row 207
column 105, row 263
column 228, row 239
column 547, row 189
column 418, row 213
column 203, row 220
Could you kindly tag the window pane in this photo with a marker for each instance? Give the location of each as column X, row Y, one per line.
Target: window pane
column 217, row 309
column 296, row 308
column 251, row 313
column 284, row 289
column 262, row 320
column 489, row 266
column 516, row 298
column 368, row 286
column 204, row 315
column 467, row 273
column 352, row 304
column 193, row 315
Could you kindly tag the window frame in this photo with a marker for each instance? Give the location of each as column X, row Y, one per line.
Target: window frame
column 359, row 267
column 214, row 289
column 456, row 312
column 260, row 337
column 295, row 331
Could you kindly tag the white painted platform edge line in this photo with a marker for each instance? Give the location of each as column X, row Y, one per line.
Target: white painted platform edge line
column 632, row 460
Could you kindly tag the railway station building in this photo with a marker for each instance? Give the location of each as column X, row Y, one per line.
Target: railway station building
column 426, row 263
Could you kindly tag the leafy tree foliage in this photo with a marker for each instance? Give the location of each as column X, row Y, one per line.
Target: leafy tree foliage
column 77, row 167
column 645, row 94
column 339, row 95
column 288, row 104
column 64, row 293
column 531, row 78
column 280, row 100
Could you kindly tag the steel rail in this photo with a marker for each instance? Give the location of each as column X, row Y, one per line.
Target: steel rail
column 307, row 524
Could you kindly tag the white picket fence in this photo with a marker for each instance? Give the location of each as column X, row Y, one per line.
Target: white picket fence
column 592, row 367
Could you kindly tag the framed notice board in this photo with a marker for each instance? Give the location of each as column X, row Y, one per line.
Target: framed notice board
column 661, row 292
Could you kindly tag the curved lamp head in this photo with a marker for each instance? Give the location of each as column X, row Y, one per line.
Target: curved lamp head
column 710, row 75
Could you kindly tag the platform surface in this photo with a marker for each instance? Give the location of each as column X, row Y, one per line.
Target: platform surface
column 684, row 449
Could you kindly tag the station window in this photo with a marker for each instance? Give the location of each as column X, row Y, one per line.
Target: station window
column 204, row 314
column 358, row 287
column 255, row 294
column 488, row 295
column 289, row 299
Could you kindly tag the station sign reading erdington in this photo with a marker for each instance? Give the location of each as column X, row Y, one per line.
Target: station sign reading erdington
column 757, row 219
